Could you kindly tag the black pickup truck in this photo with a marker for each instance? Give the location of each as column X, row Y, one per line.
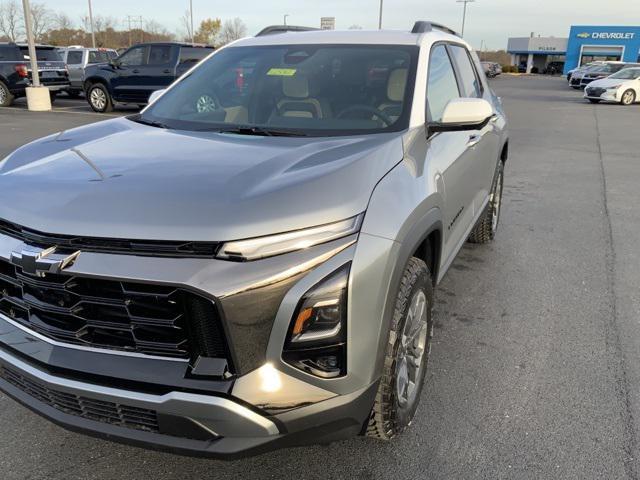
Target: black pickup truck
column 138, row 72
column 15, row 71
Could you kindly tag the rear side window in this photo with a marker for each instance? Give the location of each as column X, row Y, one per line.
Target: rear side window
column 74, row 57
column 468, row 76
column 160, row 55
column 193, row 55
column 8, row 53
column 442, row 86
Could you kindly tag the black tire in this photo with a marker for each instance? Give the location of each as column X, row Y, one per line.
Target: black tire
column 485, row 230
column 628, row 98
column 99, row 99
column 594, row 100
column 6, row 98
column 53, row 96
column 392, row 413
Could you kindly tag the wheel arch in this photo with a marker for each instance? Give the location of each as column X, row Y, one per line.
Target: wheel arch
column 88, row 82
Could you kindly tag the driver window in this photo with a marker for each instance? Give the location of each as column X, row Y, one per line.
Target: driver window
column 442, row 86
column 133, row 57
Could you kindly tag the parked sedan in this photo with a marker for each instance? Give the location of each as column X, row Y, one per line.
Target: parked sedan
column 603, row 71
column 622, row 87
column 491, row 69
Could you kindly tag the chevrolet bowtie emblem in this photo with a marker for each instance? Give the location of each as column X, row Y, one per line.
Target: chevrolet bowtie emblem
column 39, row 262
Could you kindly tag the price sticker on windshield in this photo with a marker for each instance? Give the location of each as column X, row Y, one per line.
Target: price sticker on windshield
column 282, row 72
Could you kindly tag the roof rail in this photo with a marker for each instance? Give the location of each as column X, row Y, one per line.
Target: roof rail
column 273, row 29
column 422, row 26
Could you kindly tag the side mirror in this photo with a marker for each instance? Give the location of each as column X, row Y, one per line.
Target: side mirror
column 463, row 114
column 155, row 94
column 114, row 63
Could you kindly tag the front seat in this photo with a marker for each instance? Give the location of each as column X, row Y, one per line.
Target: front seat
column 297, row 101
column 396, row 84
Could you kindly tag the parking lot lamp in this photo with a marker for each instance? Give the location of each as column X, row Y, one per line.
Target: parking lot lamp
column 464, row 13
column 93, row 33
column 285, row 19
column 380, row 17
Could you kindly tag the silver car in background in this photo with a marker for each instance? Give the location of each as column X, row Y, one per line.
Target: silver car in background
column 78, row 58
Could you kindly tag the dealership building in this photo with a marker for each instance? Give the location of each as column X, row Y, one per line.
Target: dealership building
column 585, row 44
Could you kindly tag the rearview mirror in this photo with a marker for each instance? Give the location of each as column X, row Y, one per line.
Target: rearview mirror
column 154, row 95
column 464, row 114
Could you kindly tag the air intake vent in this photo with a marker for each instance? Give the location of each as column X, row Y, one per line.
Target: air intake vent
column 91, row 409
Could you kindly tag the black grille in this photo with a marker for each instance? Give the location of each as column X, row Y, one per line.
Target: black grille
column 135, row 317
column 89, row 408
column 595, row 92
column 111, row 245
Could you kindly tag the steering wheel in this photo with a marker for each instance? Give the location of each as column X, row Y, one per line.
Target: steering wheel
column 208, row 102
column 366, row 108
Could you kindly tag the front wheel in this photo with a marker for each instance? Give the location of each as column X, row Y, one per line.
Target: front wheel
column 406, row 354
column 628, row 98
column 99, row 98
column 486, row 228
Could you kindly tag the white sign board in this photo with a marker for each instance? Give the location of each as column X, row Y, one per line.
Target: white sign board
column 328, row 23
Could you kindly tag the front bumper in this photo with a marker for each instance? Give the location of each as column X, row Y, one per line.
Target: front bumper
column 605, row 96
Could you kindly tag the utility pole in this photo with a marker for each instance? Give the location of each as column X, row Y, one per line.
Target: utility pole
column 191, row 13
column 464, row 12
column 380, row 17
column 93, row 34
column 285, row 19
column 135, row 20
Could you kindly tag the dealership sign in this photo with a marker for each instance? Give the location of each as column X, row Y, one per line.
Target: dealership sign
column 608, row 35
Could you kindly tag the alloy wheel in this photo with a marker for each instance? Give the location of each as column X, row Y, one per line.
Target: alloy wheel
column 628, row 97
column 3, row 95
column 205, row 104
column 496, row 202
column 98, row 98
column 411, row 351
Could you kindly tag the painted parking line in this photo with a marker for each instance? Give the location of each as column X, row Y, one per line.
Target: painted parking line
column 64, row 110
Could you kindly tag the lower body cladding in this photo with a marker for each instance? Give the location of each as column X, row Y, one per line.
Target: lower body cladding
column 253, row 400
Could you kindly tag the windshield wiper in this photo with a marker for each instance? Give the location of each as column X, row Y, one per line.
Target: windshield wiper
column 259, row 131
column 152, row 123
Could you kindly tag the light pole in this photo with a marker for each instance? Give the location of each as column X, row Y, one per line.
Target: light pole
column 191, row 14
column 93, row 34
column 464, row 12
column 285, row 19
column 380, row 17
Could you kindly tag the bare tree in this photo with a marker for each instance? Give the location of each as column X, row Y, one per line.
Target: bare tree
column 355, row 27
column 41, row 18
column 185, row 27
column 10, row 20
column 232, row 30
column 62, row 21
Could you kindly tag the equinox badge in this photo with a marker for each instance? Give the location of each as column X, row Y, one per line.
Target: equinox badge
column 39, row 262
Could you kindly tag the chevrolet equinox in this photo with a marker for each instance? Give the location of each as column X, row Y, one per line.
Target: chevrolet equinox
column 250, row 262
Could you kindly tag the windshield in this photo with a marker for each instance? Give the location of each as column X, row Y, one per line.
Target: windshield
column 302, row 89
column 627, row 74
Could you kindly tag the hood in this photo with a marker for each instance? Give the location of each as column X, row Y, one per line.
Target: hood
column 121, row 179
column 607, row 82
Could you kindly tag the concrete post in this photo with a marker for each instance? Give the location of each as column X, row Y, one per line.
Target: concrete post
column 38, row 98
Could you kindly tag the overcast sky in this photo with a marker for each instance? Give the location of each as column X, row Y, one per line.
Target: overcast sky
column 490, row 20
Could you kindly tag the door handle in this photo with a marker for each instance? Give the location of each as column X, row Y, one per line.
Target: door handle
column 135, row 71
column 473, row 140
column 166, row 70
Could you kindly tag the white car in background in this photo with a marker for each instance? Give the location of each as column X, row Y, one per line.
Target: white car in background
column 622, row 87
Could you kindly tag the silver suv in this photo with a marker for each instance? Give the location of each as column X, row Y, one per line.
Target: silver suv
column 79, row 58
column 250, row 262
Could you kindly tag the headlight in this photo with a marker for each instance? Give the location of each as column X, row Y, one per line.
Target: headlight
column 317, row 335
column 262, row 247
column 614, row 87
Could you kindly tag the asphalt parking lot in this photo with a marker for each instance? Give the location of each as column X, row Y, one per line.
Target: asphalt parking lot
column 535, row 371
